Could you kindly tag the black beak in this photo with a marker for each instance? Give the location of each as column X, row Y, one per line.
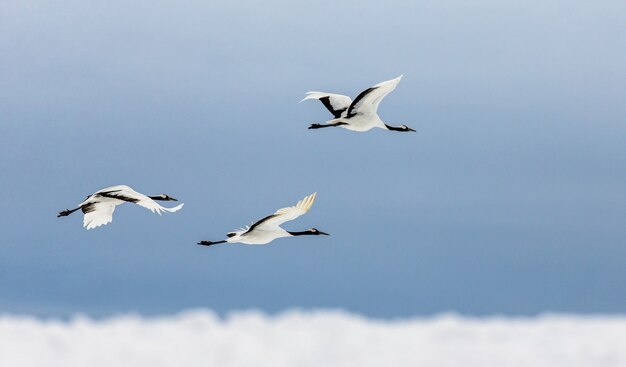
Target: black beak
column 409, row 129
column 172, row 199
column 324, row 233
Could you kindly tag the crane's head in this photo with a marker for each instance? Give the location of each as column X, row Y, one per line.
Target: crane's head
column 163, row 197
column 317, row 232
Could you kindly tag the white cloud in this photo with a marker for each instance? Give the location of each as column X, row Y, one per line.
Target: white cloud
column 320, row 338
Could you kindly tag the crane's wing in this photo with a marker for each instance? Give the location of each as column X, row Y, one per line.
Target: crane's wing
column 156, row 208
column 123, row 193
column 127, row 194
column 367, row 102
column 335, row 103
column 97, row 214
column 283, row 215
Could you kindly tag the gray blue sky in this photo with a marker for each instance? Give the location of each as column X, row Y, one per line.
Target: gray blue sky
column 510, row 199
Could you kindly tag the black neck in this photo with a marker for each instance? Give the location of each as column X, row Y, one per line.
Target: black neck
column 304, row 233
column 395, row 128
column 156, row 198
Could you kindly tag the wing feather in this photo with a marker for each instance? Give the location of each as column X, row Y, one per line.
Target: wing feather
column 337, row 104
column 283, row 215
column 156, row 208
column 97, row 214
column 366, row 103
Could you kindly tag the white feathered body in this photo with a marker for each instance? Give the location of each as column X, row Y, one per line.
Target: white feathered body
column 360, row 123
column 98, row 209
column 268, row 229
column 258, row 236
column 362, row 113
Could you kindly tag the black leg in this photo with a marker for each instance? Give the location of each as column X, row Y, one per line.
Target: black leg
column 319, row 126
column 66, row 212
column 209, row 243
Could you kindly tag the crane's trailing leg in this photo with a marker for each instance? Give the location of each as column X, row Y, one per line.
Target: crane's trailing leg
column 319, row 126
column 209, row 243
column 66, row 212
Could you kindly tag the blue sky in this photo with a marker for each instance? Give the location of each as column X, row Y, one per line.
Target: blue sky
column 510, row 199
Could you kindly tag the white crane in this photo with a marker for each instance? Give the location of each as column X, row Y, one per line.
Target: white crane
column 268, row 229
column 99, row 206
column 360, row 114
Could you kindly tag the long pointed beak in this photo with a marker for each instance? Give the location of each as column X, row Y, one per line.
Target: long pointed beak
column 172, row 199
column 408, row 128
column 324, row 233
